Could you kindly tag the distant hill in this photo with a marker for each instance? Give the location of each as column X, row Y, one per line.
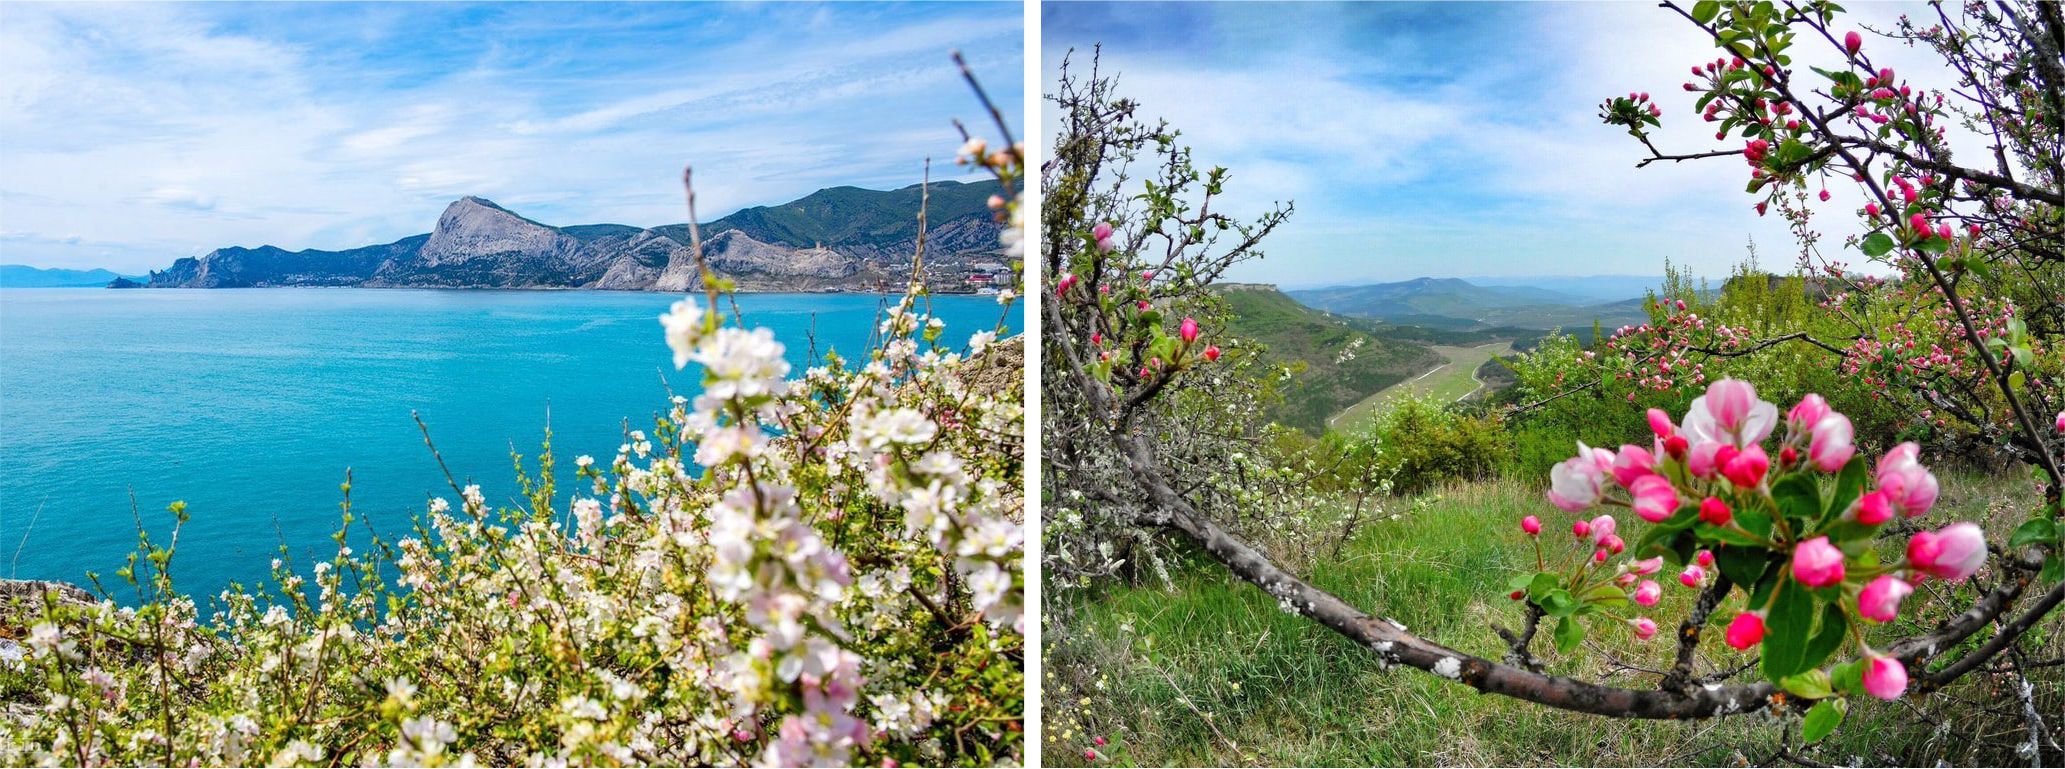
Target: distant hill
column 24, row 276
column 843, row 238
column 1455, row 304
column 1293, row 332
column 1589, row 288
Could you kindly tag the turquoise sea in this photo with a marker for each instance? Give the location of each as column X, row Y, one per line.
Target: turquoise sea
column 249, row 405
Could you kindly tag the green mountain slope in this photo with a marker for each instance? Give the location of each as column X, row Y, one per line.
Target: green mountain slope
column 1294, row 333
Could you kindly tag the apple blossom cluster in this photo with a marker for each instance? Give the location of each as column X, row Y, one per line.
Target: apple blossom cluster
column 1793, row 524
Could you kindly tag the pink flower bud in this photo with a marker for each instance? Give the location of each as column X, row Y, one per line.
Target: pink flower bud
column 1871, row 210
column 1852, row 42
column 1746, row 469
column 1884, row 677
column 1692, row 575
column 1581, row 529
column 1831, row 445
column 2061, row 422
column 1816, row 563
column 1675, row 446
column 1920, row 224
column 1602, row 527
column 1704, row 459
column 1715, row 512
column 1648, row 593
column 1746, row 630
column 1807, row 412
column 1142, row 305
column 1909, row 486
column 1646, row 566
column 1660, row 423
column 1101, row 232
column 1880, row 601
column 1951, row 553
column 1212, row 352
column 1873, row 509
column 1705, row 559
column 1654, row 497
column 1612, row 543
column 1824, row 196
column 1531, row 525
column 1645, row 628
column 1062, row 286
column 1188, row 330
column 1631, row 464
column 1099, row 741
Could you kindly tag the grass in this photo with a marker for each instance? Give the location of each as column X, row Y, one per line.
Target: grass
column 1451, row 381
column 1211, row 672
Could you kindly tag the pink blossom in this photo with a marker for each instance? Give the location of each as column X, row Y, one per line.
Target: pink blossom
column 1873, row 509
column 1531, row 525
column 1692, row 575
column 1816, row 563
column 1645, row 628
column 1909, row 486
column 1831, row 446
column 1602, row 527
column 1746, row 469
column 1612, row 543
column 1808, row 412
column 1701, row 458
column 1746, row 630
column 2061, row 422
column 1632, row 463
column 1951, row 553
column 1646, row 566
column 1660, row 423
column 1884, row 677
column 1574, row 483
column 1880, row 601
column 1648, row 593
column 1730, row 412
column 1188, row 330
column 1655, row 498
column 1852, row 42
column 1101, row 232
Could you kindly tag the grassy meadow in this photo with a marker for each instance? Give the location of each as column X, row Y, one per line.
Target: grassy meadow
column 1209, row 671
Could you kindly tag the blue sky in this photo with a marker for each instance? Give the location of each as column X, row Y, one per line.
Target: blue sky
column 1447, row 139
column 131, row 135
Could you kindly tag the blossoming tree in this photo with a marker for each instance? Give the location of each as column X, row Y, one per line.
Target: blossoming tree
column 785, row 570
column 1783, row 515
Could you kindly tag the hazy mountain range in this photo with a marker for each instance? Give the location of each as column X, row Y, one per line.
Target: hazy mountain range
column 1455, row 303
column 842, row 238
column 24, row 276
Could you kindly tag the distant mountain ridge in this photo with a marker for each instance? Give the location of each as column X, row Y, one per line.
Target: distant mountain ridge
column 25, row 276
column 842, row 238
column 1456, row 303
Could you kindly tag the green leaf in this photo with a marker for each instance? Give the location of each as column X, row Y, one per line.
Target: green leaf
column 2034, row 531
column 1829, row 638
column 1847, row 678
column 1822, row 719
column 1798, row 498
column 1704, row 11
column 1932, row 246
column 1753, row 520
column 1787, row 624
column 1877, row 244
column 1727, row 536
column 1813, row 685
column 1569, row 633
column 1559, row 603
column 1741, row 565
column 1849, row 486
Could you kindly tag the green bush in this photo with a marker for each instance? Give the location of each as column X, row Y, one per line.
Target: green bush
column 1424, row 442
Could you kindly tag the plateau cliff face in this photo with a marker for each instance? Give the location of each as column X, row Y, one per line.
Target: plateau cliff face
column 844, row 238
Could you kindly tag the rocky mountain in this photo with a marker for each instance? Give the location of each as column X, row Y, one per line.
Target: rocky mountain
column 843, row 238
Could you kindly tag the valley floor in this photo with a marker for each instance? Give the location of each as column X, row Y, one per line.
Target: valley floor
column 1451, row 381
column 1209, row 671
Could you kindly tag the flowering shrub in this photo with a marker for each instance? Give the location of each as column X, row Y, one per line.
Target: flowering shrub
column 1794, row 526
column 822, row 569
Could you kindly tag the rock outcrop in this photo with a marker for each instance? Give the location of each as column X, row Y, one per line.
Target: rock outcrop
column 844, row 238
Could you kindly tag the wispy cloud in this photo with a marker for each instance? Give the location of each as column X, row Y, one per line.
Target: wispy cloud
column 160, row 131
column 1440, row 139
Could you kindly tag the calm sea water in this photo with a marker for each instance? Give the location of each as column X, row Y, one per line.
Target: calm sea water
column 249, row 404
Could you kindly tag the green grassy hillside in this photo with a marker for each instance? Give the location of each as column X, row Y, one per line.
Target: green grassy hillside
column 1294, row 333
